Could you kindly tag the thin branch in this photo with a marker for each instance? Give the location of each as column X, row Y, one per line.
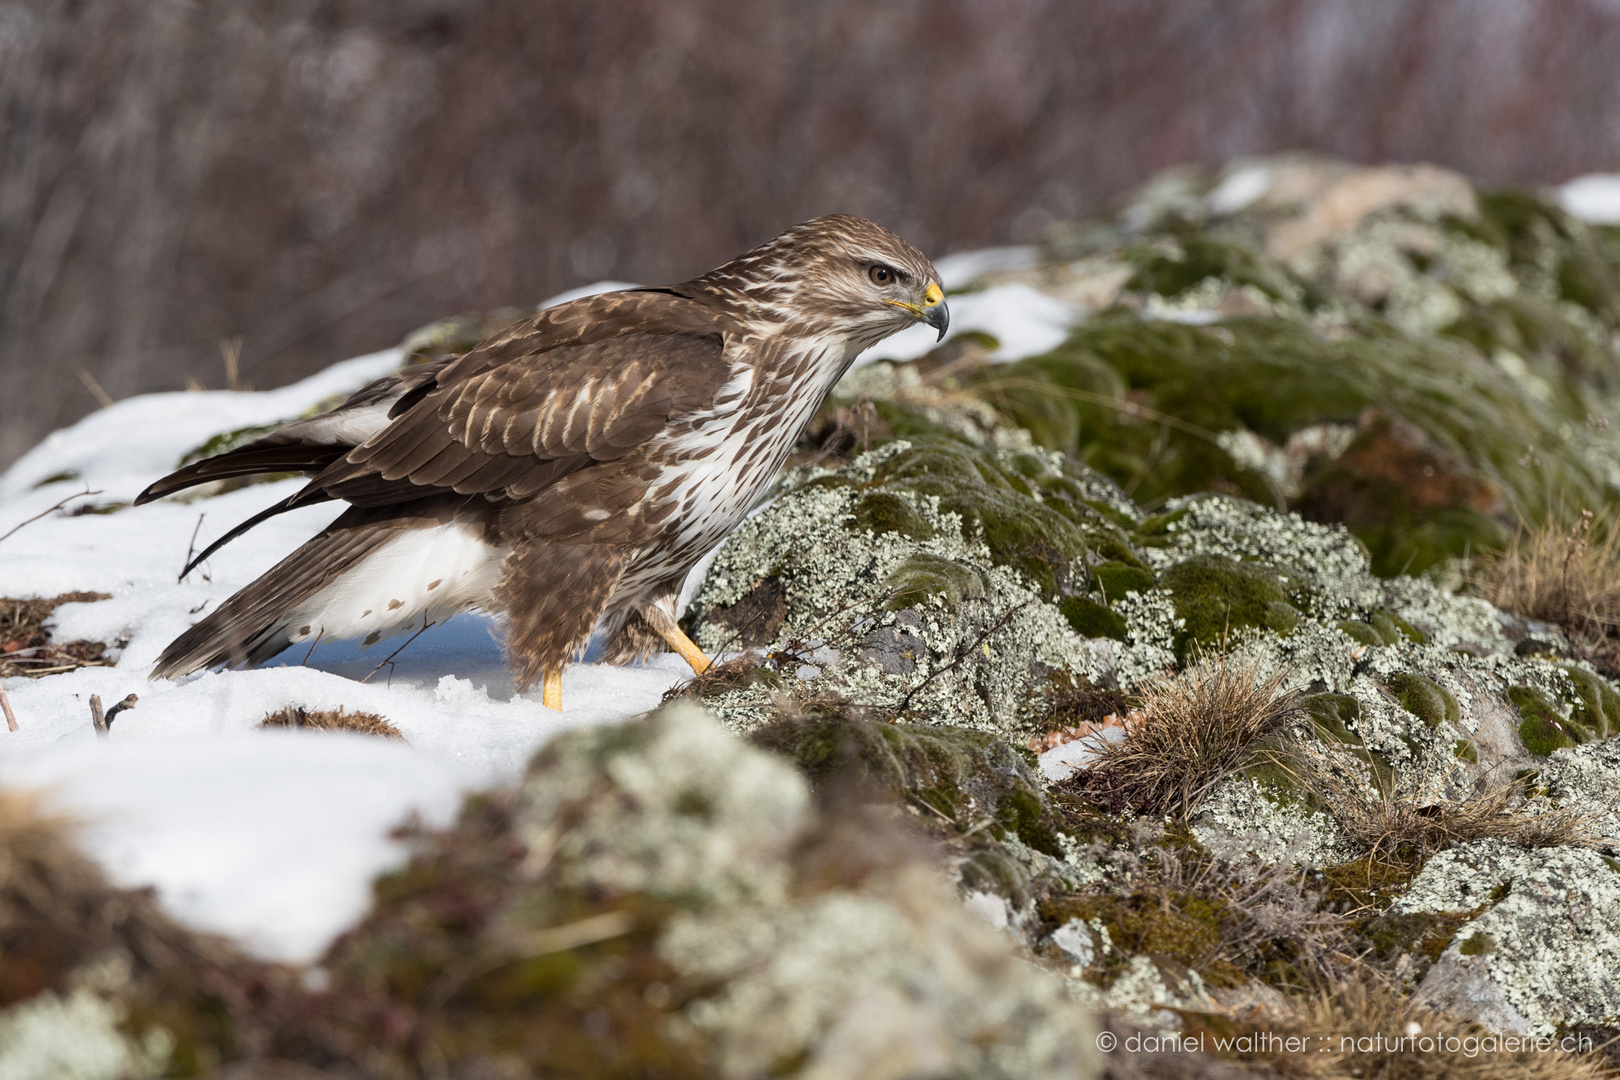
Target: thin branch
column 962, row 653
column 396, row 652
column 86, row 493
column 98, row 719
column 317, row 641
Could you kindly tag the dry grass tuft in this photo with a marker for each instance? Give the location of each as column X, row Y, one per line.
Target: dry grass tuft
column 296, row 716
column 1355, row 1029
column 1394, row 823
column 1196, row 729
column 1569, row 576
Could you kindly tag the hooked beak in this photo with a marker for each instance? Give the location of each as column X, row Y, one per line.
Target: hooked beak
column 934, row 312
column 931, row 311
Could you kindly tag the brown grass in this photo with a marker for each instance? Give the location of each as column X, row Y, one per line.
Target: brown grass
column 1365, row 1029
column 1355, row 1029
column 1392, row 821
column 296, row 716
column 1197, row 728
column 1568, row 575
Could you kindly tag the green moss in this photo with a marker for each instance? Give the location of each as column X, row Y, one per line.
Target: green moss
column 1598, row 714
column 1361, row 632
column 1478, row 944
column 1279, row 784
column 1334, row 716
column 1394, row 628
column 1046, row 542
column 1368, row 885
column 1422, row 936
column 1185, row 927
column 1092, row 618
column 1114, row 579
column 923, row 576
column 890, row 512
column 1425, row 699
column 1464, row 749
column 228, row 440
column 1142, row 402
column 1214, row 596
column 1022, row 812
column 954, row 774
column 1541, row 727
column 1199, row 257
column 57, row 478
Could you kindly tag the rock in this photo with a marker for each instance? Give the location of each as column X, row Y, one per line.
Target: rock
column 1544, row 951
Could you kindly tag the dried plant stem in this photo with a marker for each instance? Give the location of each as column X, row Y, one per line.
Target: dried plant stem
column 5, row 706
column 86, row 493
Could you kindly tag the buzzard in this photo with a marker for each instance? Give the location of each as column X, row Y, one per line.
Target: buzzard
column 568, row 472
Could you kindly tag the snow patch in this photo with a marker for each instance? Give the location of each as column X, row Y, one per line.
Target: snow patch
column 1594, row 198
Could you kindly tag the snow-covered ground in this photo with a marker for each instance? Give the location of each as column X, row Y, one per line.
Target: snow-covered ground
column 274, row 837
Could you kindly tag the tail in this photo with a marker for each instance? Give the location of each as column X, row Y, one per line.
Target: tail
column 258, row 622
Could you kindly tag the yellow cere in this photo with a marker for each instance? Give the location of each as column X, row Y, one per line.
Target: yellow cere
column 932, row 295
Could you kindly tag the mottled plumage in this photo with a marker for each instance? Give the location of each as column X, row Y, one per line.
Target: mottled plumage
column 569, row 471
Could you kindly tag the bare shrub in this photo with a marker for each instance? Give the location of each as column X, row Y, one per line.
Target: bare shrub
column 1568, row 575
column 1197, row 728
column 364, row 723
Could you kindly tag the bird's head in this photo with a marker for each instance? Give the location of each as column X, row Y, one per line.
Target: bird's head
column 840, row 274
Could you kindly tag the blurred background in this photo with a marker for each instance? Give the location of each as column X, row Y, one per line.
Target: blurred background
column 304, row 180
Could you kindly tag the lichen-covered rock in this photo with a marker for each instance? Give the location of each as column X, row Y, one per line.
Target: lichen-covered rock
column 936, row 569
column 662, row 898
column 1542, row 948
column 1385, row 347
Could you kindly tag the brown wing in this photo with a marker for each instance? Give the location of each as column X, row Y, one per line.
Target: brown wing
column 575, row 387
column 304, row 445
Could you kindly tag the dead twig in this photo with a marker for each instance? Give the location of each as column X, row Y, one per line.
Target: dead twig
column 962, row 653
column 390, row 658
column 230, row 351
column 86, row 493
column 5, row 706
column 112, row 713
column 104, row 399
column 98, row 719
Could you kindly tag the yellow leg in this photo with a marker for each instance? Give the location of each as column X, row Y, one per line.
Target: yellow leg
column 670, row 631
column 553, row 690
column 688, row 649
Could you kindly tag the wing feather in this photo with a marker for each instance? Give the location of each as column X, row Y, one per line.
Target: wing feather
column 561, row 392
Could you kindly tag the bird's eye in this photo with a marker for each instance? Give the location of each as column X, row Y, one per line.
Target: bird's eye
column 881, row 275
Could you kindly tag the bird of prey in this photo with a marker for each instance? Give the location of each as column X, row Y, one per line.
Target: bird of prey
column 568, row 472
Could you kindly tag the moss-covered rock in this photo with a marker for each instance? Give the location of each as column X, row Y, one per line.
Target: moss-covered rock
column 1542, row 727
column 1216, row 597
column 1425, row 699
